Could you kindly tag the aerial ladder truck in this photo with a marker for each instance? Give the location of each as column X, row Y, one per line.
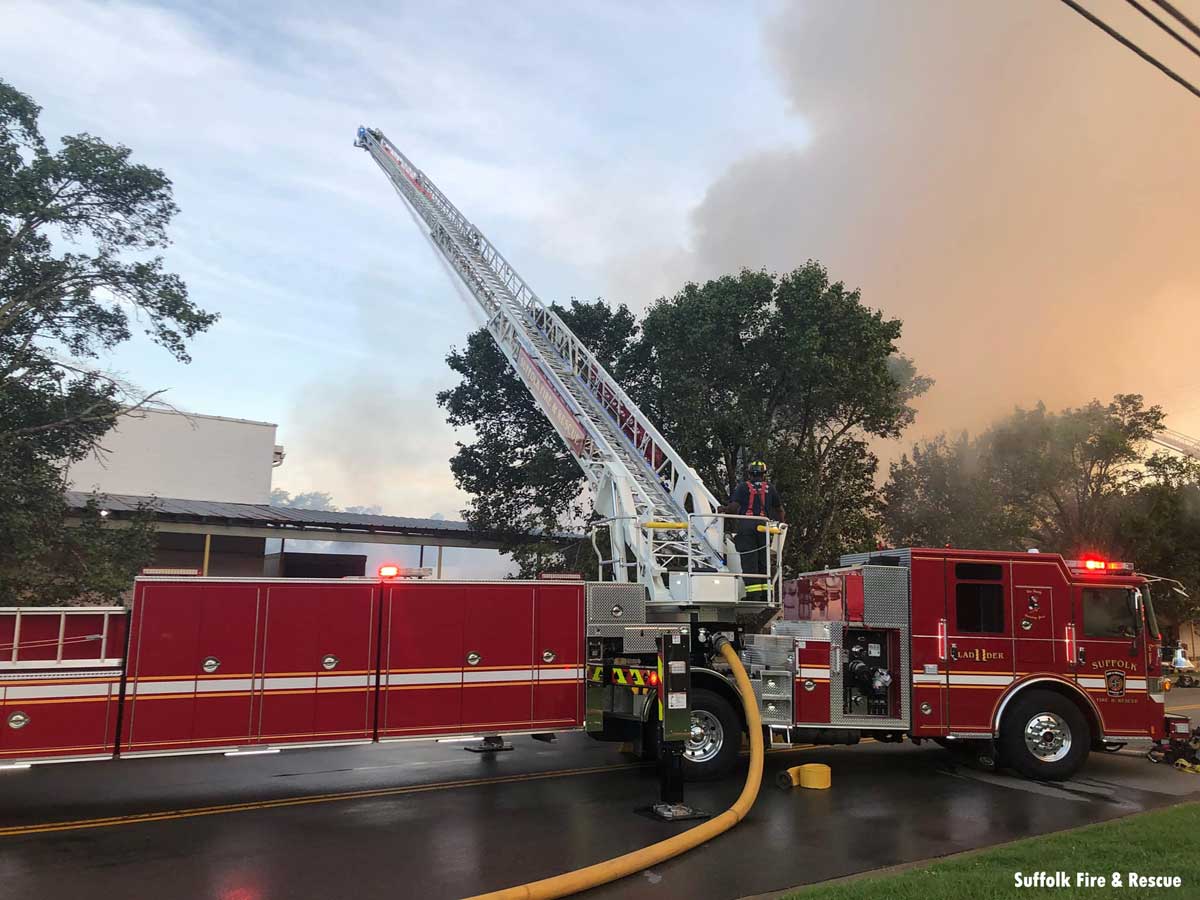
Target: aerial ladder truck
column 1023, row 658
column 912, row 643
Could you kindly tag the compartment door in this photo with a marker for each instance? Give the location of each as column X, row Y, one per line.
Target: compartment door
column 164, row 661
column 346, row 621
column 558, row 648
column 979, row 610
column 228, row 631
column 421, row 671
column 318, row 653
column 288, row 701
column 498, row 657
column 191, row 666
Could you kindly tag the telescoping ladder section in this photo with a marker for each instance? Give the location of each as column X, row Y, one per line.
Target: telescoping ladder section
column 635, row 476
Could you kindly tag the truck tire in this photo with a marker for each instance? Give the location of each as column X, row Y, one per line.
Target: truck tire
column 712, row 750
column 1044, row 736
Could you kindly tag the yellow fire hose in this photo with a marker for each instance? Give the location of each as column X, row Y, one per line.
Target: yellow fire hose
column 610, row 870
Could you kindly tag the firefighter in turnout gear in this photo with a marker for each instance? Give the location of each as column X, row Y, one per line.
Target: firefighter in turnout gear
column 755, row 496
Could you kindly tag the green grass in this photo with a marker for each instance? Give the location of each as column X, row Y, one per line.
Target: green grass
column 1165, row 842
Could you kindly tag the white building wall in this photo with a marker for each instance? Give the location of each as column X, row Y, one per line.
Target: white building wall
column 185, row 456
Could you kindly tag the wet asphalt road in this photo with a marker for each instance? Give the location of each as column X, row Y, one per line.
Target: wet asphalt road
column 433, row 821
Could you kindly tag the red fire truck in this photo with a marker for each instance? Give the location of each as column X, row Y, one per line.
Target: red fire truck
column 1027, row 659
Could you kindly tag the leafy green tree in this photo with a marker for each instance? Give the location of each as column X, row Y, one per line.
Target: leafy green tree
column 1158, row 527
column 1055, row 481
column 944, row 493
column 76, row 227
column 791, row 368
column 520, row 478
column 1067, row 472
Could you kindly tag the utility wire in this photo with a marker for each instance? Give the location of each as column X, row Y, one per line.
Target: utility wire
column 1182, row 19
column 1120, row 38
column 1164, row 26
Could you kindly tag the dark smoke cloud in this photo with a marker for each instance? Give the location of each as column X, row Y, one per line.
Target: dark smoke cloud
column 1016, row 186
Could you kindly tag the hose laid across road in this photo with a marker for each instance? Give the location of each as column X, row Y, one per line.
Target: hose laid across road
column 610, row 870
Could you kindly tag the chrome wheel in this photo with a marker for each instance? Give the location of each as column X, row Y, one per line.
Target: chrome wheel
column 1048, row 737
column 705, row 737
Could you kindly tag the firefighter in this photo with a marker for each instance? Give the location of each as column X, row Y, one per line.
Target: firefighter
column 755, row 496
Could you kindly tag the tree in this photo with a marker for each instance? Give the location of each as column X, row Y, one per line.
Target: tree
column 944, row 493
column 1055, row 481
column 318, row 500
column 1158, row 527
column 1067, row 472
column 75, row 228
column 792, row 368
column 520, row 478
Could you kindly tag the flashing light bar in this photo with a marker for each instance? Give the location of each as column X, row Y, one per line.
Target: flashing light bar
column 391, row 570
column 1092, row 564
column 171, row 572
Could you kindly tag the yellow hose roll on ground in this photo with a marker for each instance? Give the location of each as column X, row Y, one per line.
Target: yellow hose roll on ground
column 810, row 775
column 610, row 870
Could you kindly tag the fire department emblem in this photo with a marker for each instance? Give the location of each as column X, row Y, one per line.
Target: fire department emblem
column 1115, row 682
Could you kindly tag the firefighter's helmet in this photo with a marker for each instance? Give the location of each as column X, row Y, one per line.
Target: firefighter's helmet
column 757, row 470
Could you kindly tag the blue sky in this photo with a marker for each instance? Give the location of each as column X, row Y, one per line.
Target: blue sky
column 1001, row 176
column 545, row 126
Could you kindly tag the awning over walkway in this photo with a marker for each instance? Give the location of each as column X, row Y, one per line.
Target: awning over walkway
column 261, row 520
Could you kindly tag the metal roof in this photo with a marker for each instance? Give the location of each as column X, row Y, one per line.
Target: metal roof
column 283, row 521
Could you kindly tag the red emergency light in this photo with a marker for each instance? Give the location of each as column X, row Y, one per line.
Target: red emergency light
column 1097, row 564
column 389, row 570
column 652, row 678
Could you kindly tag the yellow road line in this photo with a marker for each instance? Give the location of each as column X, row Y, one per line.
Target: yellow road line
column 1171, row 709
column 312, row 799
column 167, row 815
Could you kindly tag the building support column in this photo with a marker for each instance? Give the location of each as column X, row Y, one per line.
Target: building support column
column 207, row 550
column 439, row 561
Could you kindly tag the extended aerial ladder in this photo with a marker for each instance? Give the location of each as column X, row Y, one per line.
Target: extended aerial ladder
column 1177, row 441
column 663, row 525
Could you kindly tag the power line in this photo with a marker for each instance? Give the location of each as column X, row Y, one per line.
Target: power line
column 1120, row 38
column 1164, row 26
column 1182, row 19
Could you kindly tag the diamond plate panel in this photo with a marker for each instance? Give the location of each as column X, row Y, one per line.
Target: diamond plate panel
column 768, row 651
column 633, row 640
column 885, row 595
column 611, row 602
column 774, row 710
column 811, row 631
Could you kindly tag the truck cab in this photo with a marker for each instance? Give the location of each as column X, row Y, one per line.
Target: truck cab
column 1026, row 660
